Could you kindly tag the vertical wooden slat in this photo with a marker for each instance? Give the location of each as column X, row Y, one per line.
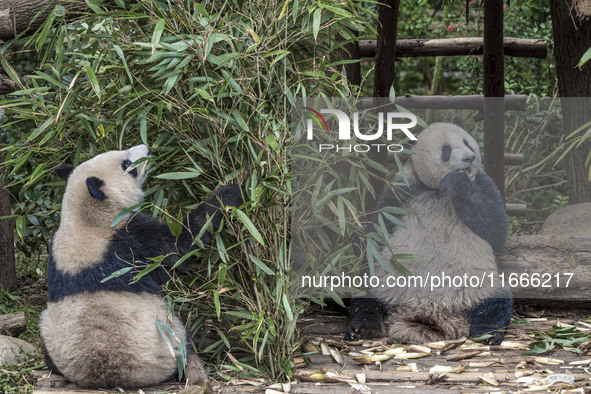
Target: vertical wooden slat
column 494, row 79
column 353, row 69
column 386, row 47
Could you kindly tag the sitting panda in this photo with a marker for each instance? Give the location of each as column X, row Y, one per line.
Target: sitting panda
column 457, row 224
column 103, row 333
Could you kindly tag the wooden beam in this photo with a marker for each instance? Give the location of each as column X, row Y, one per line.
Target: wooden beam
column 386, row 47
column 463, row 46
column 494, row 91
column 516, row 209
column 552, row 258
column 513, row 159
column 13, row 324
column 515, row 102
column 20, row 16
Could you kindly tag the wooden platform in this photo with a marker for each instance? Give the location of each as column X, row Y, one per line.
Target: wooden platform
column 462, row 366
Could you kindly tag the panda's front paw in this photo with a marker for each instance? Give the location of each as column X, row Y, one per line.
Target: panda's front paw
column 229, row 195
column 490, row 338
column 454, row 181
column 364, row 328
column 496, row 338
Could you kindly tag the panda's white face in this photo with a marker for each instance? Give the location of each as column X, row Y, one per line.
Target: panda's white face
column 443, row 148
column 98, row 189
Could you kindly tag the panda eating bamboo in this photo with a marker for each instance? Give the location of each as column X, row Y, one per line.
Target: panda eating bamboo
column 100, row 332
column 458, row 223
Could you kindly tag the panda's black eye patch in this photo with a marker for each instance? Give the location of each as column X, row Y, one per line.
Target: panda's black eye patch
column 125, row 164
column 468, row 145
column 445, row 152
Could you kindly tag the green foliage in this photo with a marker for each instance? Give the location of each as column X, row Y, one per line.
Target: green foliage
column 208, row 87
column 15, row 378
column 560, row 337
column 8, row 302
column 541, row 181
column 463, row 74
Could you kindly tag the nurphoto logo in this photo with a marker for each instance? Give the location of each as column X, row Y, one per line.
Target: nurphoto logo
column 345, row 131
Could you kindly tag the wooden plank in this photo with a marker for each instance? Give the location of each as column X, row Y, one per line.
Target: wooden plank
column 463, row 46
column 500, row 361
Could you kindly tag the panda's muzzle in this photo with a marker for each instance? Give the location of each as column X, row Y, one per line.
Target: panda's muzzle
column 469, row 169
column 469, row 159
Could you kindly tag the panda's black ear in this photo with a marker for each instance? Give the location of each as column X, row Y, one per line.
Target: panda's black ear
column 458, row 121
column 64, row 171
column 94, row 185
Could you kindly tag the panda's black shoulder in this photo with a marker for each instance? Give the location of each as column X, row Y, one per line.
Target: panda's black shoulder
column 130, row 246
column 96, row 278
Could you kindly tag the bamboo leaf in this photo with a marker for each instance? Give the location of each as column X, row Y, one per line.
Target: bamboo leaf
column 144, row 129
column 185, row 257
column 175, row 225
column 40, row 129
column 341, row 215
column 21, row 227
column 216, row 301
column 316, row 16
column 585, row 58
column 119, row 53
column 157, row 263
column 93, row 81
column 249, row 226
column 287, row 307
column 261, row 265
column 157, row 33
column 179, row 175
column 117, row 274
column 123, row 214
column 283, row 10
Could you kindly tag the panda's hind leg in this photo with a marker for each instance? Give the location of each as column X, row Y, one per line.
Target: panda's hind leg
column 491, row 316
column 49, row 361
column 421, row 326
column 194, row 371
column 367, row 316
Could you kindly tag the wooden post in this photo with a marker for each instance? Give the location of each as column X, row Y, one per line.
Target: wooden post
column 7, row 258
column 494, row 91
column 386, row 47
column 571, row 29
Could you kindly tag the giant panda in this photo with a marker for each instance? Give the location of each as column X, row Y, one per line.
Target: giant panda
column 105, row 333
column 457, row 223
